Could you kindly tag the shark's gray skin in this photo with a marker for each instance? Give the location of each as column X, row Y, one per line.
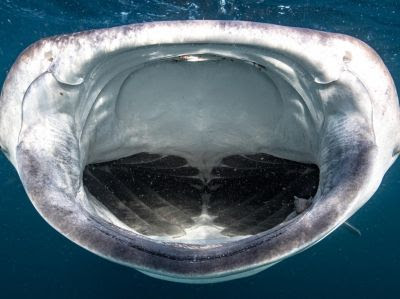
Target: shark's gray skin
column 199, row 92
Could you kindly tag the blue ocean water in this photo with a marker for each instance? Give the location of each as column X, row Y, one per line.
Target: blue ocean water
column 37, row 262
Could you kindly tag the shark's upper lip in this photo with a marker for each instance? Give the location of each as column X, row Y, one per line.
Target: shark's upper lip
column 332, row 103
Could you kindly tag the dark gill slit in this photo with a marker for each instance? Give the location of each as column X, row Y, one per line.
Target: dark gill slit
column 158, row 195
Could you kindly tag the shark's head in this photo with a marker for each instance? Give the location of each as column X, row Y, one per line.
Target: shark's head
column 199, row 151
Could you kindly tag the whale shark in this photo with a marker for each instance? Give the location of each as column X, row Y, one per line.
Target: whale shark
column 199, row 151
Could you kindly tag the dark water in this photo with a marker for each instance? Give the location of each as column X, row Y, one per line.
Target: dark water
column 37, row 262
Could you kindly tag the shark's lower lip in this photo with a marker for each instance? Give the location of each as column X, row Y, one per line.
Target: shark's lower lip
column 129, row 141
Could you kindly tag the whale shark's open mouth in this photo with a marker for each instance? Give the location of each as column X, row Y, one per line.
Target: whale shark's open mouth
column 199, row 151
column 198, row 168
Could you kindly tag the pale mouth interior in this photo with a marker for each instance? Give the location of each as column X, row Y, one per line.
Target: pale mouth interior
column 199, row 148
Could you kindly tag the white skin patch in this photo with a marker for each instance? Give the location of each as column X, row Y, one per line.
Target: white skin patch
column 301, row 204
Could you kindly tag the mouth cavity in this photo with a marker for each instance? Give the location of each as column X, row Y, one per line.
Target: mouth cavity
column 198, row 149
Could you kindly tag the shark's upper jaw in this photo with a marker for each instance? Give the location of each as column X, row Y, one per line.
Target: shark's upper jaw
column 199, row 151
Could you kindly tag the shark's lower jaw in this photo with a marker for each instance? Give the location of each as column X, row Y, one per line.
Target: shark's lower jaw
column 199, row 151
